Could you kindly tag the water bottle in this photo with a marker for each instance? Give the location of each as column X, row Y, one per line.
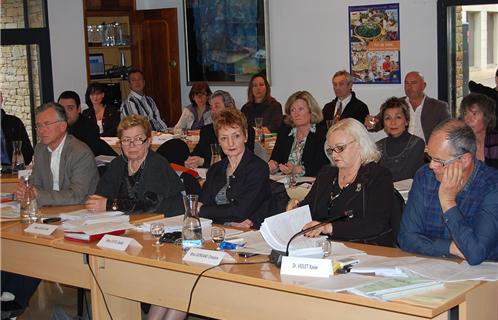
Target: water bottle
column 29, row 206
column 191, row 231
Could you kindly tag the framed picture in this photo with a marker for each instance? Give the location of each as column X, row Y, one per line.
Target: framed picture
column 227, row 40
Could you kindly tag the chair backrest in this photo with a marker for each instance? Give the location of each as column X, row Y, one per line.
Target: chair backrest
column 397, row 212
column 175, row 151
column 191, row 184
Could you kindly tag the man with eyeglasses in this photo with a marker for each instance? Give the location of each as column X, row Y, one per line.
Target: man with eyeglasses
column 452, row 208
column 64, row 172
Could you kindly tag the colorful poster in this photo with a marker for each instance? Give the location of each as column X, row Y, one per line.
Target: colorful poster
column 374, row 43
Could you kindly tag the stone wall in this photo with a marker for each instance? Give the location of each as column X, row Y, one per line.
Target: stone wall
column 14, row 71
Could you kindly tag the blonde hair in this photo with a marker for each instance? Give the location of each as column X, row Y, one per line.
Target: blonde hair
column 313, row 107
column 230, row 117
column 135, row 120
column 368, row 149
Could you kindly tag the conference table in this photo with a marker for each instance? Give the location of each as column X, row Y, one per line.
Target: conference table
column 158, row 276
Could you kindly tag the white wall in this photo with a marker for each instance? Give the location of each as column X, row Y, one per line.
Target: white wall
column 308, row 43
column 67, row 45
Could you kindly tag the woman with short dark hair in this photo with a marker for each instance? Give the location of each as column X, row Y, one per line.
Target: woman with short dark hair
column 198, row 113
column 99, row 111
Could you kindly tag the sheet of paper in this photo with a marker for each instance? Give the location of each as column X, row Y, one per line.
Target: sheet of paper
column 384, row 266
column 447, row 271
column 341, row 282
column 254, row 243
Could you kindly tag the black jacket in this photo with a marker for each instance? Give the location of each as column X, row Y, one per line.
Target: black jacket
column 110, row 120
column 14, row 129
column 207, row 137
column 356, row 109
column 270, row 111
column 88, row 132
column 313, row 154
column 248, row 192
column 369, row 197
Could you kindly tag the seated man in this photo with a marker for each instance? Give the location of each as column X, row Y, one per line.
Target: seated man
column 64, row 173
column 452, row 207
column 82, row 128
column 56, row 149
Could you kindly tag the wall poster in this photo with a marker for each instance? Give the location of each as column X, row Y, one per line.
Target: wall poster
column 374, row 43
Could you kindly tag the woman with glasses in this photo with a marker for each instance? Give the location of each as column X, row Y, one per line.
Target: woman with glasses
column 478, row 112
column 140, row 180
column 198, row 113
column 402, row 152
column 356, row 185
column 299, row 146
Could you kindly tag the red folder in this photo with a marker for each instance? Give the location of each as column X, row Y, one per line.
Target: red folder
column 84, row 237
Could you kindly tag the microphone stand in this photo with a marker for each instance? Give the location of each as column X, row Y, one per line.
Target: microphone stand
column 276, row 256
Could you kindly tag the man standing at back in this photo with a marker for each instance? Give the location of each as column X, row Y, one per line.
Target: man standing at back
column 138, row 103
column 64, row 172
column 345, row 104
column 425, row 112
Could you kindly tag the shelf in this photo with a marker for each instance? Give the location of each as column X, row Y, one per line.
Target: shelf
column 98, row 46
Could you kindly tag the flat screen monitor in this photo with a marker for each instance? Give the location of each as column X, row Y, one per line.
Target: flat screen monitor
column 97, row 68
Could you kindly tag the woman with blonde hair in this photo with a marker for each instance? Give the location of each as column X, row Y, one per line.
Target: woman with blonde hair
column 356, row 184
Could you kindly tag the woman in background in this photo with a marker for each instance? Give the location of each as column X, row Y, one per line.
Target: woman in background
column 260, row 104
column 299, row 146
column 402, row 152
column 198, row 113
column 356, row 184
column 106, row 117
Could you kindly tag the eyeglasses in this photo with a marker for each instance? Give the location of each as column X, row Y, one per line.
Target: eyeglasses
column 442, row 163
column 39, row 126
column 338, row 148
column 137, row 141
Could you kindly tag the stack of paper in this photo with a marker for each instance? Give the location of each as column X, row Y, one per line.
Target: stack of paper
column 10, row 210
column 450, row 271
column 103, row 160
column 84, row 217
column 277, row 231
column 162, row 138
column 392, row 288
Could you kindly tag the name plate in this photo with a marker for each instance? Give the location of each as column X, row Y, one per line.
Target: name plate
column 308, row 267
column 40, row 228
column 208, row 257
column 110, row 241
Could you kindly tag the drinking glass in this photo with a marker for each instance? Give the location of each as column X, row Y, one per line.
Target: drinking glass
column 217, row 234
column 157, row 230
column 17, row 157
column 258, row 122
column 326, row 247
column 215, row 153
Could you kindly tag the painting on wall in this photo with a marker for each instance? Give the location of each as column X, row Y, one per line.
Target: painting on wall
column 374, row 43
column 227, row 40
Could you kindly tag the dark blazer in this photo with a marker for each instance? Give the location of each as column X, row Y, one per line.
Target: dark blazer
column 369, row 197
column 433, row 113
column 14, row 129
column 270, row 111
column 158, row 178
column 110, row 120
column 248, row 191
column 78, row 174
column 356, row 109
column 313, row 154
column 87, row 131
column 207, row 137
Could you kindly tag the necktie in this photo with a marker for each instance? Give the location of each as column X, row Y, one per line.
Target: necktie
column 338, row 112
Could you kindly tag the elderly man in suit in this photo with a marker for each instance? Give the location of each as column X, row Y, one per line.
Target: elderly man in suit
column 425, row 112
column 64, row 172
column 345, row 104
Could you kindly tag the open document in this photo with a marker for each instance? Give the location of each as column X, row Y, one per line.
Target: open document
column 277, row 231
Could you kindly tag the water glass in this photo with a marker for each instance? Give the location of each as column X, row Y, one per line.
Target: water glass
column 157, row 231
column 326, row 248
column 17, row 157
column 217, row 234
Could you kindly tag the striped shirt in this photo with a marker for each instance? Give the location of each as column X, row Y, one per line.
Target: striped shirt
column 145, row 106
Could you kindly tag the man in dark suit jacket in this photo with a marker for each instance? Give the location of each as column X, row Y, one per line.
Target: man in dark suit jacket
column 81, row 127
column 13, row 129
column 432, row 113
column 345, row 104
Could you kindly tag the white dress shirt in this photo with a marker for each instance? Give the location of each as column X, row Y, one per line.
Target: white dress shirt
column 415, row 127
column 55, row 160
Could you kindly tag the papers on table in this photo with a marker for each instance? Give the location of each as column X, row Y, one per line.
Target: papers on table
column 254, row 243
column 392, row 288
column 162, row 138
column 103, row 160
column 173, row 224
column 10, row 210
column 86, row 217
column 111, row 140
column 202, row 172
column 384, row 266
column 277, row 231
column 450, row 271
column 340, row 282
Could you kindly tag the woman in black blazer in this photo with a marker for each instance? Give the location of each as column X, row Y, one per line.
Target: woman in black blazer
column 100, row 112
column 299, row 146
column 237, row 187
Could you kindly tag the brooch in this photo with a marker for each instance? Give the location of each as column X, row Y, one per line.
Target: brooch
column 358, row 187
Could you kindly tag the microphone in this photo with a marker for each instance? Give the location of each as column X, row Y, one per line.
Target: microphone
column 276, row 256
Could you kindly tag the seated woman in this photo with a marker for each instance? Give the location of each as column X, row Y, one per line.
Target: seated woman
column 402, row 152
column 106, row 117
column 237, row 187
column 356, row 183
column 299, row 146
column 478, row 112
column 140, row 180
column 198, row 113
column 260, row 104
column 201, row 155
